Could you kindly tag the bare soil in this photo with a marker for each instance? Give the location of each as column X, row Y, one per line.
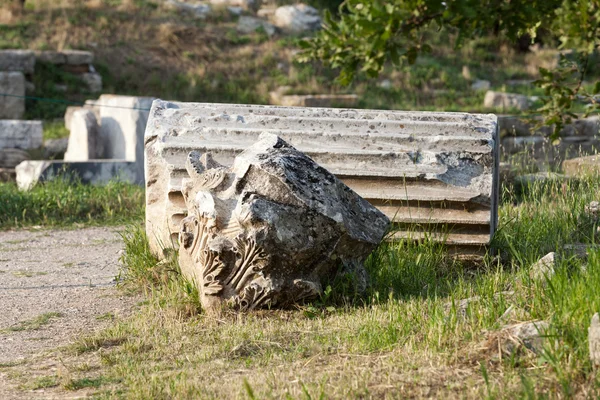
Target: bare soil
column 54, row 286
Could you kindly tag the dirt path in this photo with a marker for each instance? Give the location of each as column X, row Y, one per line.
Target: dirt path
column 54, row 286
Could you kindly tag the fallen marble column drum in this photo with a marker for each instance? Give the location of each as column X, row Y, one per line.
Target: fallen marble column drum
column 433, row 174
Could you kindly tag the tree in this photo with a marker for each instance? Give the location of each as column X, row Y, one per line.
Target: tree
column 367, row 34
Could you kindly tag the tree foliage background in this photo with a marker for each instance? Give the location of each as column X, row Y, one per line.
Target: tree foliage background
column 362, row 36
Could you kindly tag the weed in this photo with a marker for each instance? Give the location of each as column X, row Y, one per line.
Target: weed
column 35, row 323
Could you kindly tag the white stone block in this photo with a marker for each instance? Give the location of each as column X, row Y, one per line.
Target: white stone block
column 84, row 141
column 122, row 124
column 433, row 173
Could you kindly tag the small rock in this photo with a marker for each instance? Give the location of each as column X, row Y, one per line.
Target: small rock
column 297, row 18
column 93, row 81
column 248, row 24
column 544, row 267
column 237, row 11
column 594, row 340
column 60, row 87
column 527, row 334
column 506, row 100
column 385, row 84
column 593, row 209
column 481, row 84
column 466, row 72
column 199, row 10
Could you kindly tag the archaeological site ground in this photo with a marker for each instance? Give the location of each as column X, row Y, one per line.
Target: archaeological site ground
column 192, row 209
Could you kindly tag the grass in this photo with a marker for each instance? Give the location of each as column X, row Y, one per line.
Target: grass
column 64, row 202
column 410, row 336
column 34, row 323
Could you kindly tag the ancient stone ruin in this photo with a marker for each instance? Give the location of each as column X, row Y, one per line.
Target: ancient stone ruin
column 434, row 175
column 269, row 230
column 106, row 142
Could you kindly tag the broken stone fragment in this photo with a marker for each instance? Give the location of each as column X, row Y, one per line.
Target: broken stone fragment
column 272, row 228
column 529, row 335
column 594, row 339
column 544, row 267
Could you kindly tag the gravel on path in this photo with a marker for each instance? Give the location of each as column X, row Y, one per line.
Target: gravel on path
column 56, row 285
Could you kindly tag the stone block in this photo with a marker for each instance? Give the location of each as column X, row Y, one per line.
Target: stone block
column 13, row 105
column 10, row 158
column 51, row 57
column 272, row 229
column 69, row 115
column 78, row 57
column 94, row 172
column 23, row 135
column 297, row 18
column 247, row 24
column 84, row 141
column 17, row 60
column 199, row 10
column 122, row 125
column 433, row 174
column 506, row 101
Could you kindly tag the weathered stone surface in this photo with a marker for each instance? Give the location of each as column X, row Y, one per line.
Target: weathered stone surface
column 24, row 135
column 529, row 335
column 51, row 57
column 544, row 267
column 594, row 339
column 430, row 172
column 93, row 81
column 122, row 124
column 588, row 165
column 79, row 57
column 247, row 24
column 94, row 172
column 297, row 18
column 55, row 148
column 505, row 100
column 13, row 105
column 17, row 60
column 270, row 230
column 10, row 158
column 69, row 57
column 84, row 141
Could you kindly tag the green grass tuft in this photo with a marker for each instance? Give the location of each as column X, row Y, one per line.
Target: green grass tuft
column 64, row 202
